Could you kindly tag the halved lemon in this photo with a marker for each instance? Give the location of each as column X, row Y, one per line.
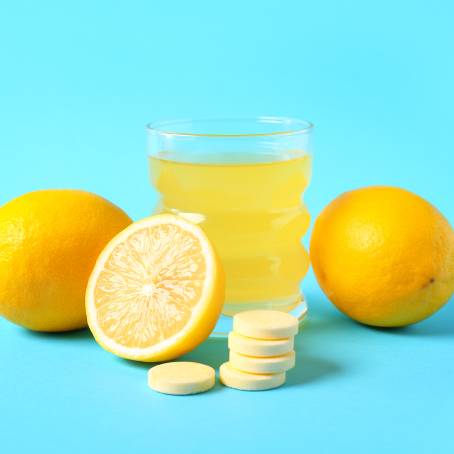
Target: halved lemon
column 156, row 291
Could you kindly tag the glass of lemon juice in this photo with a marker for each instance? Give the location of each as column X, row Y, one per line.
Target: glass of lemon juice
column 242, row 181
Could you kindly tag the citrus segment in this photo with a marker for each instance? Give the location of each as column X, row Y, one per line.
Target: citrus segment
column 156, row 290
column 49, row 243
column 384, row 256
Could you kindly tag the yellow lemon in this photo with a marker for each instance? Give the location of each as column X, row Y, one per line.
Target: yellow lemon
column 156, row 290
column 49, row 242
column 384, row 256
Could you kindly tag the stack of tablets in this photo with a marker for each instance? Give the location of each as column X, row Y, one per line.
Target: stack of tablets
column 261, row 350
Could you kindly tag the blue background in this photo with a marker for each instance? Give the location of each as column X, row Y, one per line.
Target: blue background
column 78, row 81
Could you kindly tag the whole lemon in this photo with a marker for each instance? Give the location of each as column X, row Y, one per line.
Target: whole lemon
column 384, row 256
column 49, row 243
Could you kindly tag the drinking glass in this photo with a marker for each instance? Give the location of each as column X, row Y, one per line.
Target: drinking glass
column 242, row 181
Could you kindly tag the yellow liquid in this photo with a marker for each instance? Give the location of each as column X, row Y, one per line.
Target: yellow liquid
column 253, row 213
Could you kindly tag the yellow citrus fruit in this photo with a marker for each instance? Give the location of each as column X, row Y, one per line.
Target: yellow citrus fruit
column 156, row 291
column 384, row 256
column 49, row 242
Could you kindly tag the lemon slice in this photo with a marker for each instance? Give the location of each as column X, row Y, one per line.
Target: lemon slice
column 156, row 291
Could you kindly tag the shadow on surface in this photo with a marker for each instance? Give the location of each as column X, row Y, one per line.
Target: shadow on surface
column 310, row 369
column 440, row 324
column 80, row 334
column 212, row 352
column 321, row 338
column 132, row 363
column 315, row 336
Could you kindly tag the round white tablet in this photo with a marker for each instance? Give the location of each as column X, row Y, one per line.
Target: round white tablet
column 265, row 324
column 259, row 347
column 235, row 378
column 256, row 365
column 181, row 378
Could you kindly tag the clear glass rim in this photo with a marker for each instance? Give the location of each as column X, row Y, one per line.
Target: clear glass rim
column 294, row 126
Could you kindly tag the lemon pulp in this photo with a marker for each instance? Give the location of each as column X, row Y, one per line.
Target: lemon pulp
column 156, row 290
